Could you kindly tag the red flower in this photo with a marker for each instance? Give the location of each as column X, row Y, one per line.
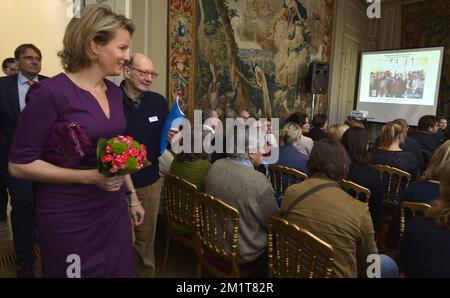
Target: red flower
column 107, row 158
column 116, row 163
column 134, row 152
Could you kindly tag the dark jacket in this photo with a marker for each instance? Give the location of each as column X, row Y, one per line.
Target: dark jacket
column 9, row 112
column 316, row 134
column 427, row 142
column 366, row 176
column 425, row 249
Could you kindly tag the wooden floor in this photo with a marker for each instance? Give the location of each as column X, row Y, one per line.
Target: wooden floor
column 181, row 262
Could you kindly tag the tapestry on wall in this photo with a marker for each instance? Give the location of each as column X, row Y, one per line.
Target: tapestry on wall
column 427, row 24
column 231, row 55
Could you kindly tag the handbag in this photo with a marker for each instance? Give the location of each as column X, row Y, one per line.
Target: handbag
column 68, row 146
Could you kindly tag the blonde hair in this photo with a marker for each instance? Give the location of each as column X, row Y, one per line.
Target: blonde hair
column 336, row 131
column 390, row 132
column 97, row 23
column 290, row 133
column 440, row 209
column 403, row 123
column 437, row 161
column 356, row 123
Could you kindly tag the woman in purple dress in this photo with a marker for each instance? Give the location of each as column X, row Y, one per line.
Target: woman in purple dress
column 82, row 217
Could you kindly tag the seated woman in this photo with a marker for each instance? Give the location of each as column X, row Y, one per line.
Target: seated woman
column 289, row 156
column 320, row 127
column 425, row 246
column 336, row 131
column 389, row 153
column 192, row 167
column 306, row 143
column 355, row 141
column 329, row 212
column 427, row 188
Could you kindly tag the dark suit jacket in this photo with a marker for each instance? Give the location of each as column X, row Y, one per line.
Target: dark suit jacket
column 9, row 113
column 428, row 142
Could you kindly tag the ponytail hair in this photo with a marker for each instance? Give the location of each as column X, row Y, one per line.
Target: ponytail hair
column 390, row 132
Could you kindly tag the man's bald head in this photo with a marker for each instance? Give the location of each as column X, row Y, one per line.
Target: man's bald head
column 139, row 73
column 139, row 58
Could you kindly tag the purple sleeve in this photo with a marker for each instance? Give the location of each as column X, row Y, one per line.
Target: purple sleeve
column 35, row 123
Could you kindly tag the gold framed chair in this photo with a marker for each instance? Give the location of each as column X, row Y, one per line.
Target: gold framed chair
column 396, row 179
column 295, row 252
column 355, row 190
column 394, row 182
column 179, row 213
column 281, row 177
column 217, row 234
column 414, row 207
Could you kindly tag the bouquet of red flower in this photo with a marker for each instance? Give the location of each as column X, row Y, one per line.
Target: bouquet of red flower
column 121, row 155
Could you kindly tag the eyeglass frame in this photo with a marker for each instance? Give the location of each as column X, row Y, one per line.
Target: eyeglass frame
column 142, row 73
column 31, row 59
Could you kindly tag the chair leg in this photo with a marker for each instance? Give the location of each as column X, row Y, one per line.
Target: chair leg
column 198, row 270
column 166, row 252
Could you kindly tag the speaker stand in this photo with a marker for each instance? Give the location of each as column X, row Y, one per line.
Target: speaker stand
column 313, row 103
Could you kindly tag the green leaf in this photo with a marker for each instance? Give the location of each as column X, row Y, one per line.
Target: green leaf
column 100, row 152
column 118, row 147
column 131, row 163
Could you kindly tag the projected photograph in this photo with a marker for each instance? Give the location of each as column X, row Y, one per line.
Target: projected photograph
column 398, row 78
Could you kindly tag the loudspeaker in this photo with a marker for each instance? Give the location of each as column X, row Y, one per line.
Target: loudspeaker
column 317, row 77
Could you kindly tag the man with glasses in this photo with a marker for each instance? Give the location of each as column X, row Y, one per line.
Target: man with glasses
column 10, row 67
column 146, row 113
column 13, row 90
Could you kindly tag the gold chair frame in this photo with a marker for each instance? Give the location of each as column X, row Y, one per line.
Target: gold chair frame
column 180, row 208
column 355, row 190
column 217, row 234
column 278, row 172
column 295, row 252
column 414, row 207
column 390, row 198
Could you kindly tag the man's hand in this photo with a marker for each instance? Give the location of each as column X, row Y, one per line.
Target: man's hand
column 172, row 133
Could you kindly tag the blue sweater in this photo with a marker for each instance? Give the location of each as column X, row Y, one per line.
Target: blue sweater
column 289, row 156
column 144, row 124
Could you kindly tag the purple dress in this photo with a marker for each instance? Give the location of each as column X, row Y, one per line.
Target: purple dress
column 76, row 218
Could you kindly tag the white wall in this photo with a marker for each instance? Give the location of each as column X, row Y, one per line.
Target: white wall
column 150, row 36
column 350, row 37
column 41, row 22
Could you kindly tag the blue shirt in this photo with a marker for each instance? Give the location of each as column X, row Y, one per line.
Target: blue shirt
column 246, row 162
column 23, row 86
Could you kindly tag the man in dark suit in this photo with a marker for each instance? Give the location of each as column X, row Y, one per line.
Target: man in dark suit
column 13, row 90
column 426, row 129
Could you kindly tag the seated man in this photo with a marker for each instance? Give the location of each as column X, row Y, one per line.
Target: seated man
column 427, row 127
column 235, row 181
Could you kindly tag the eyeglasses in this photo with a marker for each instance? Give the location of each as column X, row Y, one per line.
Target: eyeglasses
column 31, row 58
column 142, row 73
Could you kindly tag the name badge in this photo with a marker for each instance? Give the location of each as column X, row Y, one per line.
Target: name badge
column 153, row 119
